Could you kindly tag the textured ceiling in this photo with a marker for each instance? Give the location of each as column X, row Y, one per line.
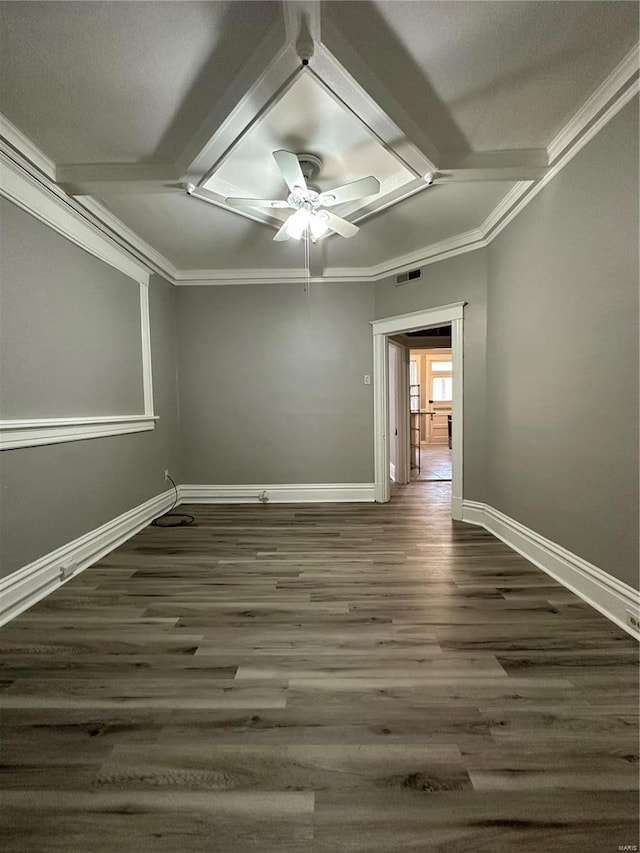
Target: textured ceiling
column 203, row 92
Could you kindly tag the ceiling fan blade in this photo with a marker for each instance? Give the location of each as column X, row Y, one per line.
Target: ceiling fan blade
column 255, row 202
column 290, row 168
column 349, row 192
column 282, row 234
column 340, row 225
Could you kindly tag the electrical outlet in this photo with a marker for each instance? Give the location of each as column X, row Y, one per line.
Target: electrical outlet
column 633, row 621
column 166, row 474
column 367, row 380
column 67, row 570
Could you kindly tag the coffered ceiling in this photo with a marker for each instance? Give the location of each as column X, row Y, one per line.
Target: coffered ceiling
column 133, row 101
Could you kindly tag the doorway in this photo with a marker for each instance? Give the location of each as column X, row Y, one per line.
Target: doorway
column 382, row 330
column 431, row 398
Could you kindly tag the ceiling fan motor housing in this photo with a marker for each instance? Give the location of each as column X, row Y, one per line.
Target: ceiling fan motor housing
column 310, row 165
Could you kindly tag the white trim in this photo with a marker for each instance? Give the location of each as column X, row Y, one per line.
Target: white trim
column 25, row 147
column 443, row 315
column 47, row 205
column 278, row 493
column 568, row 141
column 32, row 432
column 607, row 90
column 533, row 189
column 381, row 451
column 23, row 588
column 610, row 596
column 457, row 414
column 425, row 319
column 403, row 446
column 145, row 330
column 163, row 265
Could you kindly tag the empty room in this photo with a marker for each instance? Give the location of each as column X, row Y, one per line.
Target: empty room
column 319, row 341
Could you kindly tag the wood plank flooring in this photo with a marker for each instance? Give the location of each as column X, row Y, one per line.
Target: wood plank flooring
column 318, row 678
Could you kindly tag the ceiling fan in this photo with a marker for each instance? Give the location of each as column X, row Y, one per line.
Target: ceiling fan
column 308, row 201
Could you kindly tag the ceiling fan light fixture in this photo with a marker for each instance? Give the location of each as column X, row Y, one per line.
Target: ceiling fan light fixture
column 298, row 223
column 318, row 226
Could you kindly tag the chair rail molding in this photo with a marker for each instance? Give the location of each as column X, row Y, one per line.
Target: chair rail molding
column 32, row 432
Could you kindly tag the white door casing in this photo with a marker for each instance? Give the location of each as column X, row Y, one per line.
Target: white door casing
column 381, row 329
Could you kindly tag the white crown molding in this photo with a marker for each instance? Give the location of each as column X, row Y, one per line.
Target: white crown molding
column 608, row 99
column 36, row 431
column 25, row 147
column 47, row 203
column 621, row 75
column 23, row 588
column 278, row 493
column 610, row 596
column 503, row 208
column 134, row 243
column 458, row 245
column 532, row 190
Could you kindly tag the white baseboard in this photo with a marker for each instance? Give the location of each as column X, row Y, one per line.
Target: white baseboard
column 280, row 493
column 23, row 588
column 610, row 596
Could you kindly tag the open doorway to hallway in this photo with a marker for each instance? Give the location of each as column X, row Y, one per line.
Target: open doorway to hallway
column 423, row 434
column 431, row 401
column 392, row 345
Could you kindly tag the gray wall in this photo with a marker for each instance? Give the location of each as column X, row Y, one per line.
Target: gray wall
column 272, row 383
column 50, row 495
column 459, row 279
column 562, row 356
column 70, row 338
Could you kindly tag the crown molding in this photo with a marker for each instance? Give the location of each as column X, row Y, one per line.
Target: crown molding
column 133, row 243
column 26, row 148
column 492, row 228
column 621, row 75
column 607, row 100
column 44, row 200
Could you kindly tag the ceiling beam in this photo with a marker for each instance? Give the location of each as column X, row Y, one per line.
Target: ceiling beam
column 302, row 20
column 507, row 173
column 262, row 75
column 516, row 158
column 524, row 165
column 341, row 67
column 213, row 198
column 112, row 178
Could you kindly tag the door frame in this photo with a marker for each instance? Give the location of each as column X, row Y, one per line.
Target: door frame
column 444, row 315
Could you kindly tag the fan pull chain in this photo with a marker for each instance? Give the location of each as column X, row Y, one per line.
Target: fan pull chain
column 307, row 265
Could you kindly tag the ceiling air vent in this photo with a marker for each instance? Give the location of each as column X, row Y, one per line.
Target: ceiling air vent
column 412, row 275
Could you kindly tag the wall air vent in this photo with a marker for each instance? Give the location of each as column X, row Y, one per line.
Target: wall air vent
column 412, row 275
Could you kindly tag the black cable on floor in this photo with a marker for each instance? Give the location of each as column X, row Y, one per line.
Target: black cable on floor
column 184, row 517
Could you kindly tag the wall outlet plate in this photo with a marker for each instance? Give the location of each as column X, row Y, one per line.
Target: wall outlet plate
column 633, row 621
column 166, row 473
column 67, row 570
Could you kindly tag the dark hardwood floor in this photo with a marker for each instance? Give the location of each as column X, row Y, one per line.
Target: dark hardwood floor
column 318, row 678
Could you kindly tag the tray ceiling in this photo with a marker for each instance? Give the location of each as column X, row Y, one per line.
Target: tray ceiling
column 133, row 101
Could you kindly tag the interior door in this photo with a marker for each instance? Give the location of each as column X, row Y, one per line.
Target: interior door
column 440, row 390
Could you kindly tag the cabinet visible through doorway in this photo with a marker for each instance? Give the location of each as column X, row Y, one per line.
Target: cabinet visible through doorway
column 432, row 370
